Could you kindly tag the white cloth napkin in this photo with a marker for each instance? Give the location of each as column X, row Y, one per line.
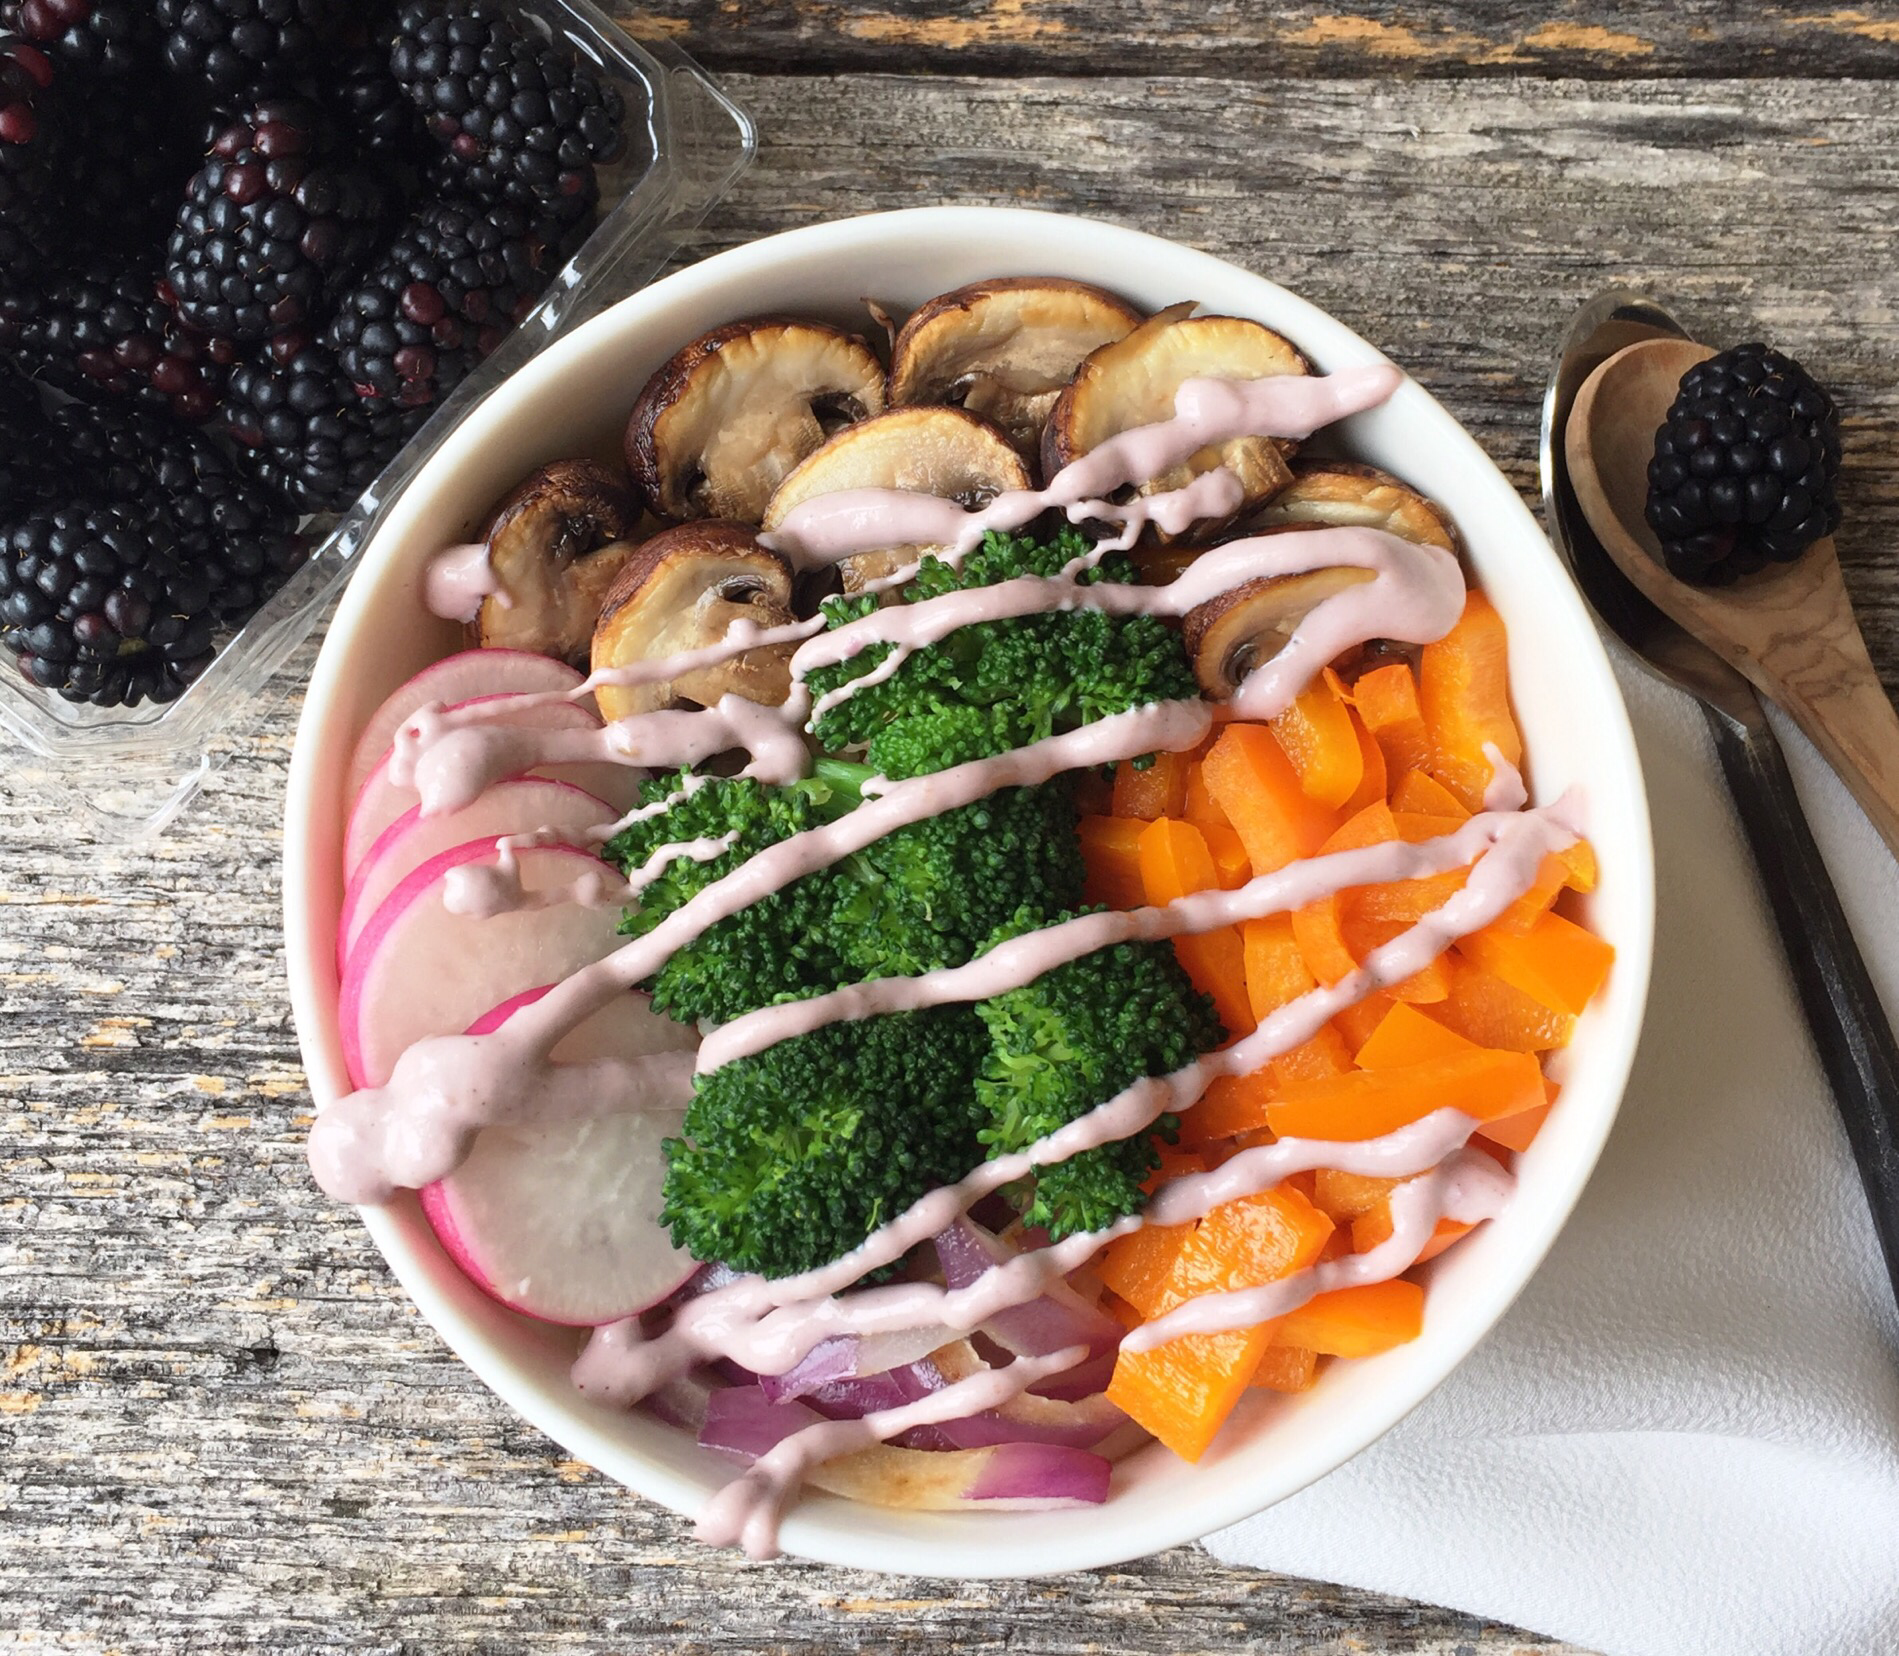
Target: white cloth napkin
column 1684, row 1437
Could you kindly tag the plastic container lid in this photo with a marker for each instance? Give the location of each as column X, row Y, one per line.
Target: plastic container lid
column 126, row 773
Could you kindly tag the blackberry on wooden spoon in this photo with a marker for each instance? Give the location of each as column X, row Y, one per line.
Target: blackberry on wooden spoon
column 1744, row 467
column 271, row 224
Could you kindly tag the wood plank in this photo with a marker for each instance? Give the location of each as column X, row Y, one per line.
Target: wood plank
column 222, row 1425
column 1269, row 38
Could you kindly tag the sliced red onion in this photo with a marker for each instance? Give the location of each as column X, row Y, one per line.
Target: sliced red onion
column 1031, row 1419
column 1058, row 1319
column 858, row 1395
column 1033, row 1476
column 741, row 1420
column 682, row 1402
column 846, row 1356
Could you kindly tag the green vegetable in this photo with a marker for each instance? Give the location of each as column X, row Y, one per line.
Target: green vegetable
column 1072, row 1039
column 792, row 1157
column 997, row 685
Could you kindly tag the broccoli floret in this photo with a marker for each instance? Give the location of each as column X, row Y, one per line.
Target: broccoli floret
column 1072, row 1039
column 792, row 1157
column 1028, row 676
column 781, row 947
column 932, row 894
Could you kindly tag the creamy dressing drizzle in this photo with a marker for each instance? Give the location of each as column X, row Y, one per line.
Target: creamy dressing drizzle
column 458, row 579
column 747, row 1510
column 444, row 1090
column 482, row 890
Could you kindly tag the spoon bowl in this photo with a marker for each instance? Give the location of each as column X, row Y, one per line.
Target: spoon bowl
column 1789, row 629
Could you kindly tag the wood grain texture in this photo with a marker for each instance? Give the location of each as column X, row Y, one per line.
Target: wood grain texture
column 221, row 1425
column 1271, row 40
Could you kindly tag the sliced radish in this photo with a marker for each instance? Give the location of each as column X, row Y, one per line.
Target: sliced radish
column 453, row 679
column 521, row 806
column 381, row 801
column 419, row 970
column 562, row 1222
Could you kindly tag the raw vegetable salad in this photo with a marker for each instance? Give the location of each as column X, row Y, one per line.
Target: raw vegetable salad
column 1029, row 928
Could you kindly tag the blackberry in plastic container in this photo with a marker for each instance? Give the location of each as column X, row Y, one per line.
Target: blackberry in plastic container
column 29, row 468
column 104, row 331
column 1744, row 468
column 114, row 38
column 442, row 297
column 271, row 224
column 522, row 117
column 236, row 49
column 309, row 436
column 371, row 103
column 34, row 117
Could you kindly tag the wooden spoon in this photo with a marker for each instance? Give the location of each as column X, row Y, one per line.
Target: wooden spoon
column 1789, row 629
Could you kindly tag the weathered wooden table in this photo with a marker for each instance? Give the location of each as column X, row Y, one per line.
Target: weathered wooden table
column 221, row 1426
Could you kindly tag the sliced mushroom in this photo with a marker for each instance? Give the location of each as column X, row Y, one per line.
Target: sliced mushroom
column 681, row 591
column 938, row 451
column 1005, row 349
column 1335, row 494
column 718, row 427
column 1132, row 383
column 1230, row 635
column 556, row 545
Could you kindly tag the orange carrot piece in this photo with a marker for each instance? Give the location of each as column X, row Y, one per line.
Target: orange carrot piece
column 1371, row 1228
column 1137, row 1267
column 1319, row 926
column 1183, row 1391
column 1376, row 780
column 1251, row 779
column 1357, row 1024
column 1174, row 1161
column 1485, row 1009
column 1343, row 1197
column 1319, row 738
column 1231, row 1105
column 1363, row 1104
column 1419, row 792
column 1518, row 1132
column 1580, row 858
column 1276, row 970
column 1325, row 1054
column 1387, row 700
column 1158, row 791
column 1175, row 862
column 1201, row 807
column 1464, row 694
column 1407, row 1036
column 1111, row 855
column 1284, row 1368
column 1555, row 961
column 1229, row 854
column 1356, row 1322
column 1552, row 875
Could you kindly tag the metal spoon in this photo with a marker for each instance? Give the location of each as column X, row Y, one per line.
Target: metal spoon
column 1850, row 1029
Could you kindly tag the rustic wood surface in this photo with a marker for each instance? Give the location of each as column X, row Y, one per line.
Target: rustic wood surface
column 221, row 1426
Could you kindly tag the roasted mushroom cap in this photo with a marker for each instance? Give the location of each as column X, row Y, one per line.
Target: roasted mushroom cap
column 717, row 428
column 680, row 591
column 555, row 546
column 1230, row 635
column 1132, row 383
column 938, row 451
column 1004, row 349
column 1335, row 494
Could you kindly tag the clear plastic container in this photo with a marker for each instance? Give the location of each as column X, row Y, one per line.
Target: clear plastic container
column 125, row 773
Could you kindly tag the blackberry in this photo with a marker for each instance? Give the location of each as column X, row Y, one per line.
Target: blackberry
column 311, row 437
column 34, row 118
column 105, row 331
column 521, row 117
column 441, row 297
column 1744, row 467
column 271, row 223
column 239, row 49
column 371, row 103
column 97, row 605
column 29, row 471
column 114, row 38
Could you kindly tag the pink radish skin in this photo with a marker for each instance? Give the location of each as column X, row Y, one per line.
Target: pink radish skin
column 562, row 1223
column 381, row 801
column 455, row 678
column 417, row 970
column 523, row 806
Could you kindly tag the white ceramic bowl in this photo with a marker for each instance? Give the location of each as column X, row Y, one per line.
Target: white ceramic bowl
column 574, row 398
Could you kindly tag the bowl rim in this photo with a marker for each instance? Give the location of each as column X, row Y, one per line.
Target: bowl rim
column 992, row 1548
